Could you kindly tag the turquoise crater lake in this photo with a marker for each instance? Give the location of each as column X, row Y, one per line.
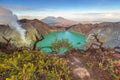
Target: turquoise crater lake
column 77, row 40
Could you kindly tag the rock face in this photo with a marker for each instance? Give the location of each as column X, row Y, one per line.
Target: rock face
column 108, row 33
column 8, row 33
column 58, row 21
column 82, row 28
column 32, row 27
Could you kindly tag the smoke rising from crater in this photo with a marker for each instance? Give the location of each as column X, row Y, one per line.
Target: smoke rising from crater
column 8, row 18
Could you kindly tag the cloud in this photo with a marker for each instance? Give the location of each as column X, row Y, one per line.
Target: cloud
column 39, row 13
column 99, row 16
column 25, row 8
column 42, row 14
column 98, row 13
column 77, row 16
column 29, row 17
column 21, row 8
column 8, row 18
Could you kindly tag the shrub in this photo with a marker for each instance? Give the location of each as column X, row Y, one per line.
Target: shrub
column 111, row 64
column 33, row 65
column 61, row 45
column 90, row 65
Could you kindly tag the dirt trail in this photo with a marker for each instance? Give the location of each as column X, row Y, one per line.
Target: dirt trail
column 79, row 72
column 80, row 65
column 79, row 69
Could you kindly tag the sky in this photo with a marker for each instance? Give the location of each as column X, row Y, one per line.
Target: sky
column 78, row 10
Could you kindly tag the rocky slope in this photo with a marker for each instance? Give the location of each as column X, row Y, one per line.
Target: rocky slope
column 108, row 33
column 35, row 27
column 82, row 28
column 32, row 27
column 8, row 33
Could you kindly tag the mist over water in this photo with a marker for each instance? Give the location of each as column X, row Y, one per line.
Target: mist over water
column 76, row 39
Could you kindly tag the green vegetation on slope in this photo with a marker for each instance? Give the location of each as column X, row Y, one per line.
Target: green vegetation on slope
column 33, row 65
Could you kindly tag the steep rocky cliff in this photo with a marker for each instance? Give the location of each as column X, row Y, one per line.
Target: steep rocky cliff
column 108, row 33
column 82, row 28
column 32, row 27
column 8, row 33
column 35, row 27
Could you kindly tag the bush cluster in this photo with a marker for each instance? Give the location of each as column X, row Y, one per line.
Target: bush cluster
column 33, row 65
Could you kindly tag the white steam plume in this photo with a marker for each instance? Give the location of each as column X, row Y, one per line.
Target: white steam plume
column 8, row 18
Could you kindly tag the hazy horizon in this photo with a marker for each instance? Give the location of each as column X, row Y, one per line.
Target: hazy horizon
column 77, row 10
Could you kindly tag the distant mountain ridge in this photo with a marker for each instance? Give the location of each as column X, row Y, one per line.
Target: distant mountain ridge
column 58, row 21
column 50, row 20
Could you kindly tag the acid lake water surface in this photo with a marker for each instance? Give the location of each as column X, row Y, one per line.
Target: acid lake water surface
column 77, row 40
